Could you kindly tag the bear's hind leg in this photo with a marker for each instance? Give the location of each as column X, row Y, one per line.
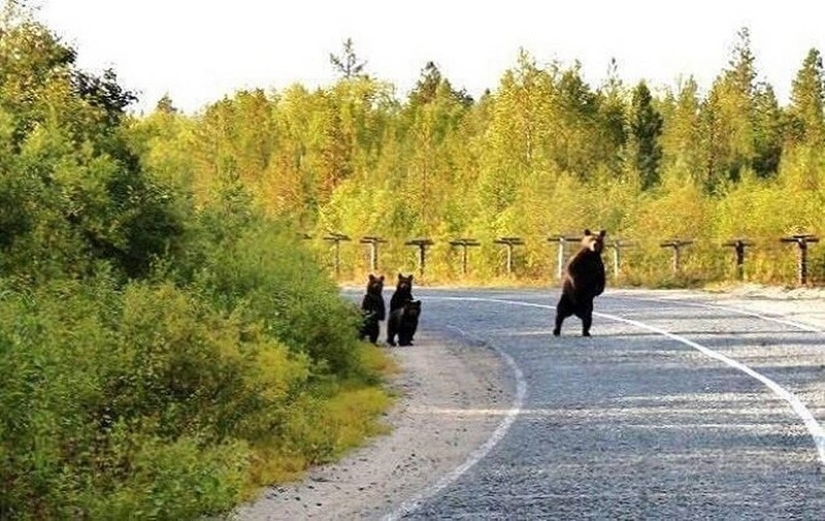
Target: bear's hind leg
column 391, row 332
column 374, row 328
column 563, row 310
column 586, row 314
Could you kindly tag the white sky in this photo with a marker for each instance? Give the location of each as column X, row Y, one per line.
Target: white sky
column 200, row 50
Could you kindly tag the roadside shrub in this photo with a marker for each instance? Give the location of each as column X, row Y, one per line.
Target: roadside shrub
column 265, row 275
column 147, row 401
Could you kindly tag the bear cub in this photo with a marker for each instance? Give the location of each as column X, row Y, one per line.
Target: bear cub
column 403, row 322
column 584, row 280
column 372, row 308
column 404, row 313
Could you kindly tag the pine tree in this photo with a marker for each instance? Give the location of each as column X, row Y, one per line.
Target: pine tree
column 645, row 131
column 768, row 131
column 807, row 100
column 348, row 64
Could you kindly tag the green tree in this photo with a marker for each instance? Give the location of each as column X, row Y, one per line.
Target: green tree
column 807, row 101
column 729, row 118
column 645, row 129
column 166, row 105
column 577, row 108
column 768, row 132
column 613, row 131
column 716, row 149
column 434, row 116
column 516, row 142
column 681, row 133
column 348, row 65
column 430, row 83
column 80, row 188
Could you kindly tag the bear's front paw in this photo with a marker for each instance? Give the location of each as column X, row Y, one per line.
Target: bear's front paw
column 556, row 332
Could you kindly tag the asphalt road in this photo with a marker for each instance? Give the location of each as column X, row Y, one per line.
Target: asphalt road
column 671, row 410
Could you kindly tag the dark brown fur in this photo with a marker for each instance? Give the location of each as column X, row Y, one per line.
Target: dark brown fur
column 403, row 322
column 584, row 280
column 403, row 292
column 373, row 309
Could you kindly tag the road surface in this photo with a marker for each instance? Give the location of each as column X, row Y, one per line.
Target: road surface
column 681, row 405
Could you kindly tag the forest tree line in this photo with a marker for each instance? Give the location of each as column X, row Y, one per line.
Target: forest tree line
column 542, row 153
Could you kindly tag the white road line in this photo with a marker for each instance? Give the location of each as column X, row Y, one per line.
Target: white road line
column 414, row 503
column 814, row 428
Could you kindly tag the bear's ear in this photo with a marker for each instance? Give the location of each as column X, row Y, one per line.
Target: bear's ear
column 587, row 232
column 372, row 277
column 381, row 278
column 400, row 276
column 602, row 233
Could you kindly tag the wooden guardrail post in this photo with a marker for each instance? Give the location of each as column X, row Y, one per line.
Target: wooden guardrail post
column 373, row 242
column 509, row 242
column 337, row 238
column 739, row 246
column 618, row 245
column 562, row 241
column 422, row 245
column 677, row 245
column 464, row 244
column 802, row 241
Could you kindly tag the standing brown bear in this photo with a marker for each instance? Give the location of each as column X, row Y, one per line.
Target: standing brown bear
column 404, row 312
column 373, row 308
column 403, row 292
column 584, row 280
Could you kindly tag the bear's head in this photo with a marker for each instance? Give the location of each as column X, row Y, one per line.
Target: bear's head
column 404, row 284
column 412, row 309
column 375, row 284
column 593, row 242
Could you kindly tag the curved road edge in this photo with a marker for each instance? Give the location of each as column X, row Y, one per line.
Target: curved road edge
column 456, row 397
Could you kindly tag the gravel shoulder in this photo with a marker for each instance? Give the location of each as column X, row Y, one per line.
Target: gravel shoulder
column 806, row 305
column 802, row 305
column 452, row 396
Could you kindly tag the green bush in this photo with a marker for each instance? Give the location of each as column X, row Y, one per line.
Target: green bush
column 264, row 273
column 155, row 355
column 148, row 401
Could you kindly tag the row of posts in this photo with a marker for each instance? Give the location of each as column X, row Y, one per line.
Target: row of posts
column 739, row 245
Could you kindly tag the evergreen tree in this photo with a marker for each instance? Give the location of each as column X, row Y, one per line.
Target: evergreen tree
column 807, row 101
column 768, row 132
column 645, row 131
column 348, row 65
column 165, row 105
column 428, row 85
column 613, row 131
column 715, row 146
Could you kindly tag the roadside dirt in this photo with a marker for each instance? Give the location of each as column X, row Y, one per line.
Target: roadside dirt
column 806, row 305
column 451, row 398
